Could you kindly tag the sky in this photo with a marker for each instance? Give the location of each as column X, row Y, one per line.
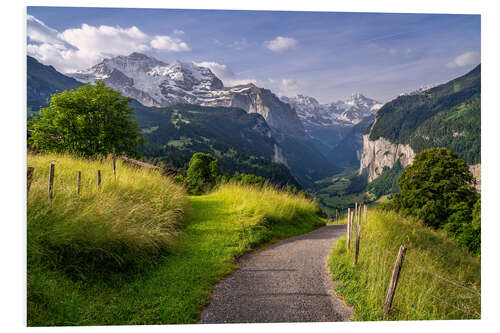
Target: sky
column 326, row 55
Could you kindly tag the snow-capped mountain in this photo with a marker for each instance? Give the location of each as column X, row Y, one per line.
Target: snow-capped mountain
column 344, row 113
column 328, row 124
column 155, row 83
column 419, row 90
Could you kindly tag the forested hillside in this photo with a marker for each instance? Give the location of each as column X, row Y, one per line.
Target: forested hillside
column 43, row 81
column 238, row 139
column 448, row 115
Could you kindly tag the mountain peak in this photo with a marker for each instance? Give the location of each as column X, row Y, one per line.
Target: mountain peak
column 138, row 56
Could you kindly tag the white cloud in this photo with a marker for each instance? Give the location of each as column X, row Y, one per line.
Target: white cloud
column 82, row 47
column 466, row 59
column 170, row 44
column 178, row 32
column 281, row 43
column 227, row 76
column 284, row 86
column 106, row 39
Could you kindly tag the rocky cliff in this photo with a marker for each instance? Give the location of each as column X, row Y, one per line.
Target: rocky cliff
column 382, row 153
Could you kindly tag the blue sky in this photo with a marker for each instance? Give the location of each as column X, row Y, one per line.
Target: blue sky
column 320, row 54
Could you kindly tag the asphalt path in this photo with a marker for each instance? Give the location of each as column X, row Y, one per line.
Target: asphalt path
column 286, row 282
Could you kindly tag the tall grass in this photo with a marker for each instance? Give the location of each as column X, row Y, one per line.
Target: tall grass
column 130, row 220
column 438, row 280
column 267, row 211
column 219, row 227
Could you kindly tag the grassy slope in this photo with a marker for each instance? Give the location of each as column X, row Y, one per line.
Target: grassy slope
column 219, row 228
column 424, row 290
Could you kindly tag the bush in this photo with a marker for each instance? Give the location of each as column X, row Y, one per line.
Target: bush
column 203, row 173
column 247, row 179
column 437, row 189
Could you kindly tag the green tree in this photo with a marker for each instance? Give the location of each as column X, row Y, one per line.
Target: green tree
column 437, row 190
column 90, row 120
column 203, row 173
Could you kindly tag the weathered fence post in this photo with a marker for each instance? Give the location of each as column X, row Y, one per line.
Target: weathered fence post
column 394, row 281
column 51, row 182
column 99, row 180
column 356, row 252
column 79, row 182
column 348, row 228
column 29, row 178
column 114, row 166
column 366, row 214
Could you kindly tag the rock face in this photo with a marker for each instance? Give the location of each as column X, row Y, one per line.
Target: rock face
column 383, row 153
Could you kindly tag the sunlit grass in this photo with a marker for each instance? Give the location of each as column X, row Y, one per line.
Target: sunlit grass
column 439, row 280
column 218, row 228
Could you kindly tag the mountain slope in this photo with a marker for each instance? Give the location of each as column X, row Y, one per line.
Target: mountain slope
column 448, row 115
column 240, row 141
column 155, row 83
column 328, row 124
column 43, row 81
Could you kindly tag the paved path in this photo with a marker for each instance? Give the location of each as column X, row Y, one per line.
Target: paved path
column 287, row 282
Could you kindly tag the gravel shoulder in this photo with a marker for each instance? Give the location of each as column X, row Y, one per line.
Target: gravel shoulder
column 286, row 282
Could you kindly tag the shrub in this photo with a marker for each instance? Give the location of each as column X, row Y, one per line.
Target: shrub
column 203, row 173
column 247, row 179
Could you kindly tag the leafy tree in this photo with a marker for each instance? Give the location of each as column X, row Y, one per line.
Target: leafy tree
column 437, row 189
column 90, row 120
column 203, row 173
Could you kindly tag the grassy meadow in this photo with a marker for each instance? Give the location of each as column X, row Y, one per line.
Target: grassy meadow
column 438, row 280
column 141, row 251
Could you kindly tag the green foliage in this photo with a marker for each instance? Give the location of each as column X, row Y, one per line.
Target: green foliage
column 247, row 179
column 437, row 189
column 89, row 121
column 439, row 280
column 387, row 182
column 203, row 173
column 448, row 115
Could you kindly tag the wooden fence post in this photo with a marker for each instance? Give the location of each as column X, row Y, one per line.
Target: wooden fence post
column 114, row 166
column 29, row 178
column 348, row 228
column 394, row 281
column 51, row 182
column 99, row 180
column 79, row 181
column 356, row 252
column 366, row 214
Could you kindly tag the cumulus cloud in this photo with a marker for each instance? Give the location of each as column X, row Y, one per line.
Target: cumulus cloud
column 281, row 44
column 82, row 47
column 178, row 32
column 170, row 44
column 227, row 76
column 284, row 86
column 465, row 59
